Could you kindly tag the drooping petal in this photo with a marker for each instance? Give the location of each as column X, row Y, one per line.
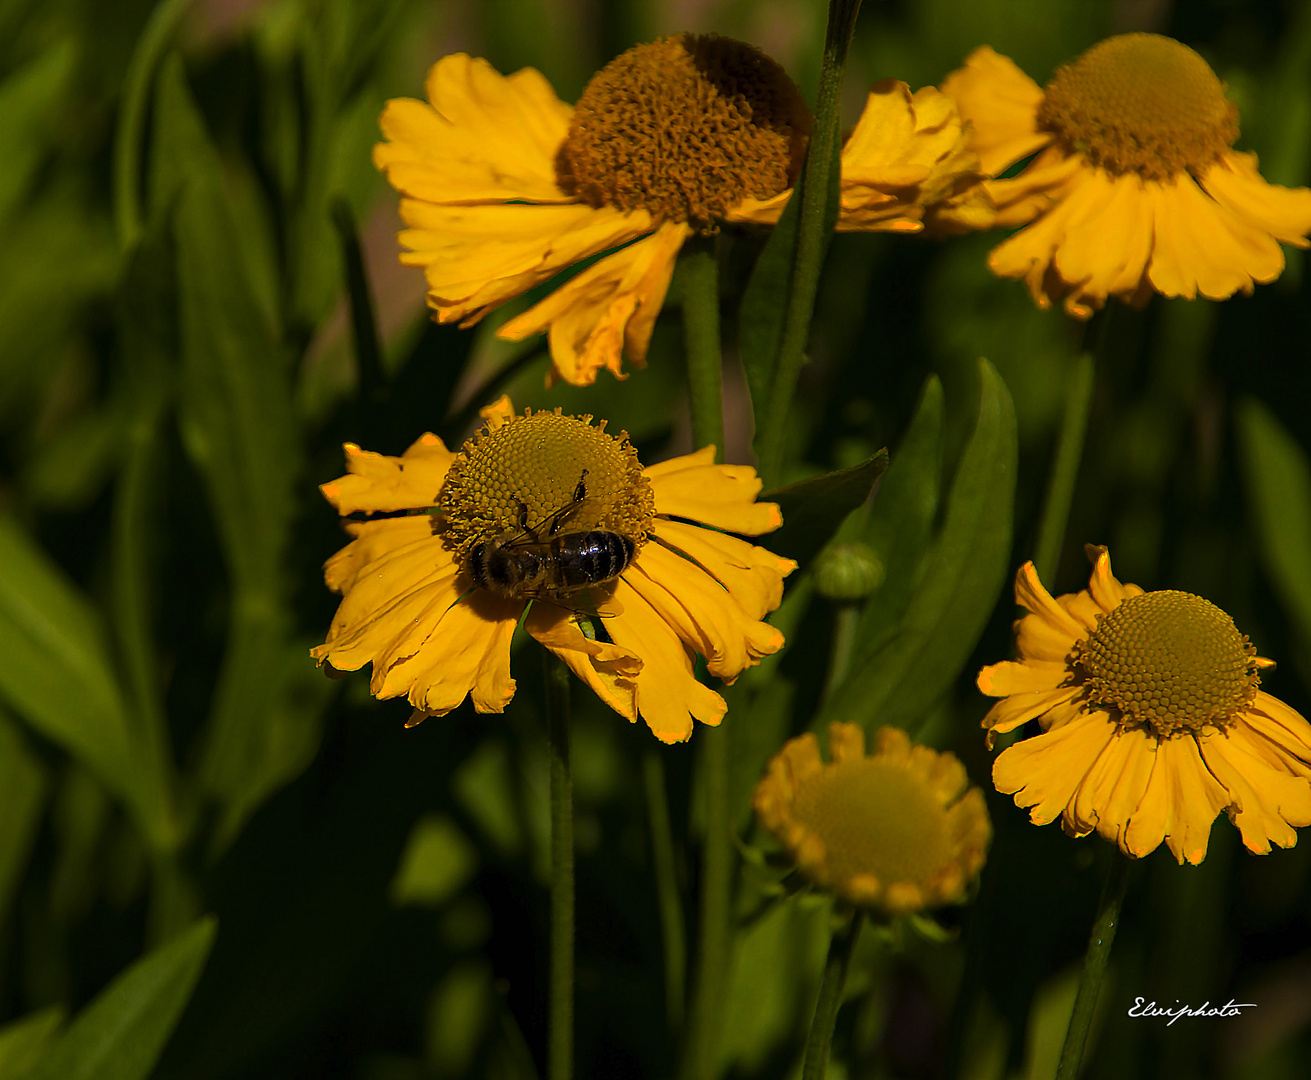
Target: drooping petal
column 1119, row 767
column 1017, row 709
column 1000, row 102
column 482, row 136
column 609, row 670
column 1180, row 804
column 1283, row 730
column 1265, row 803
column 703, row 612
column 1236, row 184
column 1044, row 771
column 607, row 310
column 669, row 697
column 752, row 575
column 477, row 257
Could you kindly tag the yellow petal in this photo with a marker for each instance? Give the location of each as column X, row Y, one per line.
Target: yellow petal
column 374, row 540
column 1045, row 181
column 1235, row 183
column 694, row 487
column 669, row 697
column 1181, row 801
column 1038, row 640
column 1012, row 677
column 609, row 670
column 483, row 138
column 1104, row 585
column 1265, row 803
column 1284, row 730
column 477, row 257
column 377, row 482
column 1017, row 709
column 1044, row 771
column 752, row 211
column 1033, row 596
column 468, row 652
column 1204, row 248
column 752, row 575
column 607, row 310
column 1000, row 102
column 1118, row 766
column 702, row 612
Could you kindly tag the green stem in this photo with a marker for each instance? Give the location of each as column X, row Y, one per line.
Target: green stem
column 845, row 619
column 812, row 239
column 716, row 905
column 820, row 1041
column 560, row 1046
column 1094, row 967
column 699, row 275
column 673, row 934
column 132, row 114
column 1065, row 469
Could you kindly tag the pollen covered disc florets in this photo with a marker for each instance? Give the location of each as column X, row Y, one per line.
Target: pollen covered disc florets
column 1141, row 103
column 535, row 465
column 1169, row 661
column 685, row 127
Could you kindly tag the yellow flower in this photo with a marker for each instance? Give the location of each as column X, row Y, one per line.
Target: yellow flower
column 504, row 186
column 624, row 571
column 1135, row 187
column 1152, row 720
column 899, row 830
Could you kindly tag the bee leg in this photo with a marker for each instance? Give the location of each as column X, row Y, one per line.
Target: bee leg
column 580, row 492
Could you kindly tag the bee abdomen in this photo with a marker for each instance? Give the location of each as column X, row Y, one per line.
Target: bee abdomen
column 590, row 558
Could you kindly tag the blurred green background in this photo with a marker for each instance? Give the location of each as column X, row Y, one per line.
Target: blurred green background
column 186, row 192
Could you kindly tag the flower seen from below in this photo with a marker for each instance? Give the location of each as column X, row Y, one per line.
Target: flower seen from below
column 1134, row 186
column 1152, row 722
column 898, row 830
column 622, row 572
column 503, row 186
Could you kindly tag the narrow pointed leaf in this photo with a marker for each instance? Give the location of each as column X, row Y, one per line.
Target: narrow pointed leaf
column 814, row 508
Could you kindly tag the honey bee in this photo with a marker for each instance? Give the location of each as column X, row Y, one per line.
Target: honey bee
column 544, row 561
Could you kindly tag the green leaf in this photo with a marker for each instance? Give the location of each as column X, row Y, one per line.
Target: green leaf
column 897, row 678
column 29, row 121
column 1278, row 481
column 814, row 508
column 238, row 427
column 23, row 784
column 58, row 675
column 120, row 1035
column 23, row 1040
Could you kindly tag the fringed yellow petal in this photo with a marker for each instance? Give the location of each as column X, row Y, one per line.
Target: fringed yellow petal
column 1044, row 771
column 752, row 575
column 477, row 257
column 607, row 311
column 1016, row 677
column 484, row 138
column 704, row 613
column 669, row 697
column 376, row 482
column 694, row 487
column 1265, row 803
column 1181, row 801
column 1235, row 183
column 609, row 670
column 1000, row 103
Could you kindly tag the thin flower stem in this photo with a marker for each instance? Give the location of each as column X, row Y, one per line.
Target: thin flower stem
column 1094, row 967
column 820, row 1041
column 560, row 1044
column 164, row 19
column 364, row 323
column 845, row 619
column 811, row 240
column 673, row 934
column 1065, row 469
column 716, row 906
column 699, row 274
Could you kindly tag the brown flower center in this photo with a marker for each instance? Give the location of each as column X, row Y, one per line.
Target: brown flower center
column 1169, row 661
column 686, row 128
column 1141, row 103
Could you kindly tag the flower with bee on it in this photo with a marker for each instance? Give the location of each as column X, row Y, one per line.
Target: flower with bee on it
column 534, row 512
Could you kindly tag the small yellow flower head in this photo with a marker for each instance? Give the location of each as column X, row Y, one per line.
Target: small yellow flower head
column 1141, row 103
column 1152, row 720
column 1132, row 186
column 899, row 830
column 685, row 128
column 454, row 551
